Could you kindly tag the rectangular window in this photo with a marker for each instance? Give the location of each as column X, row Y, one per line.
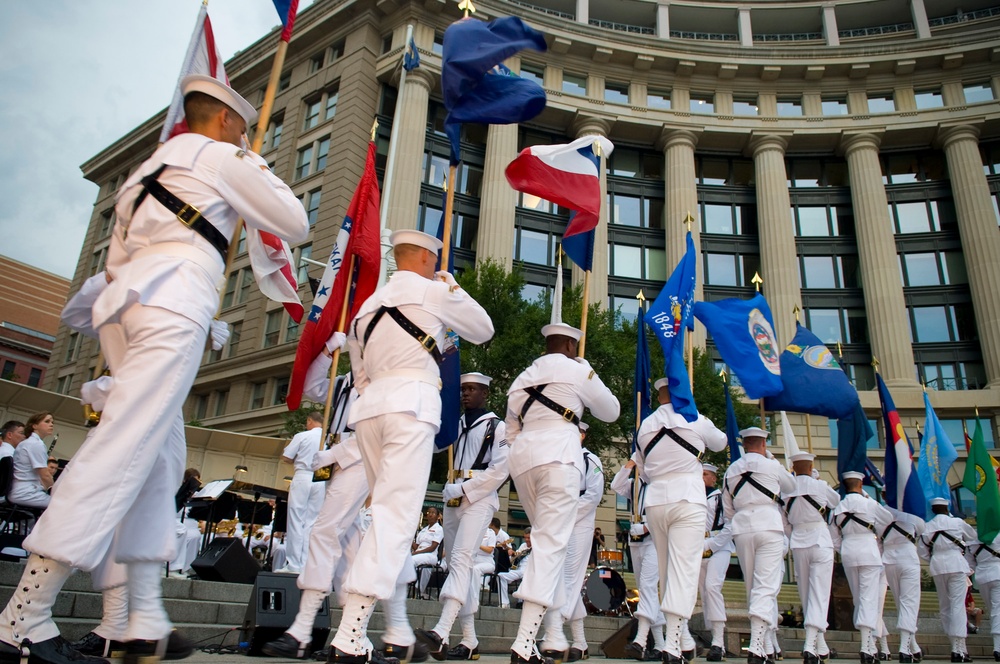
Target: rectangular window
column 720, row 219
column 200, row 407
column 221, row 400
column 322, row 151
column 246, row 282
column 272, row 328
column 337, row 49
column 312, row 114
column 814, row 221
column 311, row 204
column 34, row 377
column 652, row 210
column 531, row 72
column 291, row 330
column 97, row 261
column 932, row 324
column 658, row 99
column 745, row 106
column 921, row 269
column 107, row 223
column 627, row 261
column 872, row 443
column 72, row 346
column 280, row 392
column 626, row 210
column 273, row 137
column 64, row 384
column 302, row 276
column 833, row 106
column 789, row 107
column 535, row 203
column 929, row 99
column 316, row 62
column 819, row 272
column 914, row 218
column 656, row 264
column 470, row 180
column 827, row 324
column 574, row 84
column 8, row 372
column 303, row 163
column 881, row 103
column 438, row 46
column 235, row 332
column 956, row 430
column 257, row 395
column 702, row 103
column 721, row 269
column 616, row 92
column 230, row 292
column 534, row 247
column 284, row 82
column 332, row 95
column 978, row 92
column 625, row 162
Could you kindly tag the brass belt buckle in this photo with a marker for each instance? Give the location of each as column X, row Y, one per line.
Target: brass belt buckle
column 428, row 342
column 188, row 215
column 568, row 415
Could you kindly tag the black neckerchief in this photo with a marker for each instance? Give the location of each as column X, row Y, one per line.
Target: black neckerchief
column 473, row 414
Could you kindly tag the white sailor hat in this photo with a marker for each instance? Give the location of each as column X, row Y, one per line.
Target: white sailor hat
column 852, row 475
column 583, row 427
column 418, row 238
column 562, row 329
column 475, row 377
column 710, row 468
column 662, row 382
column 940, row 501
column 802, row 456
column 752, row 432
column 216, row 89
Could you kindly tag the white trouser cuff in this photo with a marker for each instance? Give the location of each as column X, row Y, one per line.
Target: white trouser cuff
column 114, row 622
column 469, row 638
column 309, row 604
column 398, row 631
column 718, row 634
column 147, row 618
column 579, row 637
column 449, row 612
column 641, row 631
column 555, row 637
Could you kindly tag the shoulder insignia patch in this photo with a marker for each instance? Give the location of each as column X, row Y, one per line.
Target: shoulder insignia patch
column 591, row 374
column 240, row 154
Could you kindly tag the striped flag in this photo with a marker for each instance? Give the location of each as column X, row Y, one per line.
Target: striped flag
column 902, row 486
column 286, row 12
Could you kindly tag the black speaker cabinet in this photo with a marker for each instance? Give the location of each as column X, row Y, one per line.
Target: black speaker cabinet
column 272, row 609
column 614, row 646
column 226, row 559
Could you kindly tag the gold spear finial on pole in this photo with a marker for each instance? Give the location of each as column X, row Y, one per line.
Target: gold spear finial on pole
column 641, row 297
column 374, row 129
column 840, row 350
column 467, row 7
column 796, row 311
column 597, row 148
column 688, row 220
column 875, row 363
column 757, row 281
column 723, row 374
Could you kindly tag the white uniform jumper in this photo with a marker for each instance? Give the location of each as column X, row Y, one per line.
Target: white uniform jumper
column 750, row 498
column 546, row 461
column 305, row 497
column 945, row 545
column 808, row 509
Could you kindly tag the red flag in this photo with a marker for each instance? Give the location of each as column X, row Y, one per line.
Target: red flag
column 202, row 57
column 359, row 237
column 272, row 262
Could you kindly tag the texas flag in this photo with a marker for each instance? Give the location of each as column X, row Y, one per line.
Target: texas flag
column 567, row 175
column 902, row 486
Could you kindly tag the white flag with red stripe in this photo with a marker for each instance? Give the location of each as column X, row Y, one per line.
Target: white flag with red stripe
column 202, row 57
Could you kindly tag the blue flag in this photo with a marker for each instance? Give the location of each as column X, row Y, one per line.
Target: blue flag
column 902, row 486
column 411, row 57
column 641, row 384
column 451, row 373
column 476, row 86
column 732, row 428
column 872, row 475
column 853, row 434
column 580, row 247
column 669, row 316
column 937, row 454
column 813, row 381
column 743, row 332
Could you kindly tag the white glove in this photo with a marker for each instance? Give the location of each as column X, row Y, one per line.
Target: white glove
column 323, row 458
column 336, row 342
column 447, row 277
column 638, row 530
column 452, row 492
column 95, row 392
column 219, row 331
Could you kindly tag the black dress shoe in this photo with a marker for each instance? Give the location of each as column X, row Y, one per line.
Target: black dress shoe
column 654, row 655
column 437, row 647
column 374, row 657
column 919, row 656
column 557, row 656
column 865, row 658
column 534, row 659
column 884, row 656
column 9, row 654
column 576, row 655
column 287, row 646
column 996, row 655
column 688, row 654
column 779, row 656
column 905, row 658
column 716, row 654
column 321, row 655
column 178, row 646
column 809, row 657
column 754, row 658
column 57, row 650
column 461, row 652
column 98, row 646
column 415, row 653
column 635, row 651
column 672, row 659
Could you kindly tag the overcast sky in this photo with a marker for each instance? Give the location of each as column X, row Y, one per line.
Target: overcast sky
column 74, row 76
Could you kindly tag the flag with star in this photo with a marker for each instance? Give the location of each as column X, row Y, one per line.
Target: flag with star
column 358, row 239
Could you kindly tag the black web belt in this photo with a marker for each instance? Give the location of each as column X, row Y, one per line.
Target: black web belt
column 822, row 509
column 641, row 506
column 895, row 526
column 426, row 341
column 717, row 521
column 850, row 516
column 664, row 431
column 488, row 438
column 986, row 547
column 747, row 478
column 535, row 394
column 188, row 215
column 948, row 536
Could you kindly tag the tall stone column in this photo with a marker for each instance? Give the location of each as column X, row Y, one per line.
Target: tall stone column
column 404, row 197
column 888, row 328
column 778, row 257
column 980, row 241
column 593, row 126
column 680, row 199
column 498, row 201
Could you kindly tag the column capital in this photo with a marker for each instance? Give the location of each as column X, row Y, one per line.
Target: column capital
column 671, row 136
column 590, row 125
column 423, row 77
column 863, row 140
column 948, row 134
column 771, row 140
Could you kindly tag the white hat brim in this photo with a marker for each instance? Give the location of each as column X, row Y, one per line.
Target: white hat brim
column 216, row 89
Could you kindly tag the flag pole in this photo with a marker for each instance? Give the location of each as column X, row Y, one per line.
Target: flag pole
column 449, row 208
column 689, row 341
column 390, row 163
column 638, row 413
column 757, row 281
column 583, row 314
column 809, row 434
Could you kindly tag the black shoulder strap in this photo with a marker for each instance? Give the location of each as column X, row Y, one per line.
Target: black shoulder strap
column 586, row 470
column 822, row 509
column 717, row 520
column 426, row 341
column 948, row 536
column 488, row 438
column 664, row 431
column 535, row 394
column 748, row 478
column 895, row 526
column 187, row 214
column 986, row 547
column 851, row 516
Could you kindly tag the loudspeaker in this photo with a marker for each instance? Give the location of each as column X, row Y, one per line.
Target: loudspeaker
column 226, row 559
column 271, row 610
column 614, row 645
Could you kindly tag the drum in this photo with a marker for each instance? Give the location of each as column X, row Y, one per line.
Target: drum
column 611, row 558
column 604, row 592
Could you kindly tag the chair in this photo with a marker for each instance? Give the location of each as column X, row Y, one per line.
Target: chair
column 14, row 519
column 434, row 582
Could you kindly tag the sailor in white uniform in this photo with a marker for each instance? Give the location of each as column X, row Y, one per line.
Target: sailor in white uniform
column 305, row 497
column 902, row 571
column 987, row 558
column 717, row 555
